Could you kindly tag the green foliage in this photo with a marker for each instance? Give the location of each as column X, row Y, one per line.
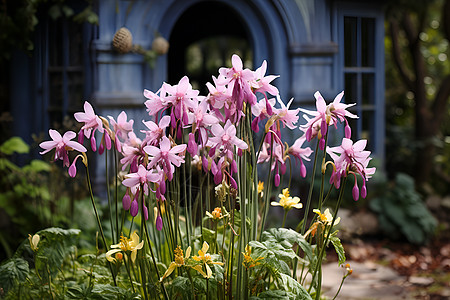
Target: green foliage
column 19, row 19
column 338, row 247
column 401, row 212
column 14, row 145
column 13, row 271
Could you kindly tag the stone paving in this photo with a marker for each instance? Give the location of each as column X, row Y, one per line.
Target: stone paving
column 368, row 281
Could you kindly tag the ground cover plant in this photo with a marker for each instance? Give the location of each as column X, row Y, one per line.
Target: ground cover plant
column 188, row 205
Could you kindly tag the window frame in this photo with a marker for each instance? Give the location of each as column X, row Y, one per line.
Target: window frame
column 344, row 9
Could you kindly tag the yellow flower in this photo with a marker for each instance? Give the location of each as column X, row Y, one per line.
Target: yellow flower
column 249, row 262
column 287, row 202
column 260, row 188
column 34, row 241
column 216, row 214
column 326, row 218
column 206, row 259
column 126, row 245
column 179, row 261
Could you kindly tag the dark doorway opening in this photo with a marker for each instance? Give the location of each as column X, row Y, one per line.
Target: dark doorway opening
column 204, row 38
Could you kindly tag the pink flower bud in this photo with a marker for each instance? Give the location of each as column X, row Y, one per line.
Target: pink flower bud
column 322, row 143
column 93, row 143
column 348, row 132
column 81, row 137
column 192, row 147
column 159, row 223
column 118, row 144
column 145, row 209
column 323, row 128
column 364, row 191
column 134, row 209
column 126, row 201
column 355, row 192
column 101, row 149
column 73, row 169
column 302, row 169
column 162, row 187
column 277, row 180
column 107, row 141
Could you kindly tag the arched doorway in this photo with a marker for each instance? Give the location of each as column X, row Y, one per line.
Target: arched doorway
column 203, row 39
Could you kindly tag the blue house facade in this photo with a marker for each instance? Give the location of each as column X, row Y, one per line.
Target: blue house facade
column 322, row 45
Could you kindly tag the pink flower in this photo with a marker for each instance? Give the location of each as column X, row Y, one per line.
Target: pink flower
column 166, row 156
column 182, row 98
column 154, row 103
column 90, row 119
column 354, row 159
column 260, row 111
column 141, row 177
column 62, row 145
column 286, row 116
column 278, row 164
column 122, row 127
column 218, row 94
column 225, row 137
column 238, row 81
column 261, row 83
column 325, row 116
column 156, row 131
column 300, row 153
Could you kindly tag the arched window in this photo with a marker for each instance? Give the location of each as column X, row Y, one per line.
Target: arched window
column 203, row 40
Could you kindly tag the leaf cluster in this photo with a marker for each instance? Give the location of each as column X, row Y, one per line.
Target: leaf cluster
column 402, row 213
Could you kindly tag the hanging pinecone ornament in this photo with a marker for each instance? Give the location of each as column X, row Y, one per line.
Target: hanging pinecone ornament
column 160, row 45
column 123, row 40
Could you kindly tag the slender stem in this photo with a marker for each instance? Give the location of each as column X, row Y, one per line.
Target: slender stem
column 340, row 286
column 284, row 218
column 322, row 250
column 308, row 204
column 113, row 237
column 116, row 185
column 266, row 196
column 166, row 296
column 98, row 221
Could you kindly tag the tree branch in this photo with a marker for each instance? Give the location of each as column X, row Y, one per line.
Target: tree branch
column 396, row 52
column 440, row 103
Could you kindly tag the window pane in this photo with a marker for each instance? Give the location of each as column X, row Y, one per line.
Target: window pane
column 368, row 90
column 351, row 88
column 367, row 42
column 75, row 91
column 55, row 42
column 350, row 41
column 368, row 128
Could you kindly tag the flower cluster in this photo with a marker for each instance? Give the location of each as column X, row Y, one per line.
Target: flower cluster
column 207, row 128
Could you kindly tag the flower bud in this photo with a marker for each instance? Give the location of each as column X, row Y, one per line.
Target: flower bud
column 159, row 223
column 93, row 143
column 126, row 201
column 134, row 209
column 355, row 192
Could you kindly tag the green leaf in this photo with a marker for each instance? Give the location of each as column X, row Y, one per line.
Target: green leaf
column 338, row 247
column 273, row 294
column 291, row 285
column 14, row 144
column 37, row 166
column 180, row 288
column 12, row 271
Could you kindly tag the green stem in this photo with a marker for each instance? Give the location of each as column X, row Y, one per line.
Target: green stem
column 322, row 250
column 98, row 221
column 284, row 218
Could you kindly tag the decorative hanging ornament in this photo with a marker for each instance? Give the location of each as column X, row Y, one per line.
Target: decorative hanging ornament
column 123, row 40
